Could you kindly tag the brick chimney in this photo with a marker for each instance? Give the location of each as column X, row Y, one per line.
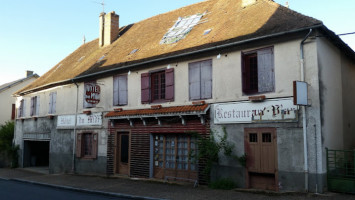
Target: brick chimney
column 109, row 26
column 29, row 73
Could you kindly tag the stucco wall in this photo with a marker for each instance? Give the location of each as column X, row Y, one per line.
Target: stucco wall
column 6, row 100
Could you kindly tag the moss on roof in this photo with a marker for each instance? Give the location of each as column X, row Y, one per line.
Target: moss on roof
column 227, row 19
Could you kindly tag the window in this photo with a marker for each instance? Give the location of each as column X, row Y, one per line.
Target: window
column 200, row 80
column 120, row 90
column 34, row 106
column 52, row 102
column 86, row 145
column 258, row 71
column 157, row 86
column 13, row 110
column 175, row 152
column 21, row 109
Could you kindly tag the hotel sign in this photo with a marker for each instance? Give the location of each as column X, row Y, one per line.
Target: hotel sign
column 251, row 112
column 94, row 119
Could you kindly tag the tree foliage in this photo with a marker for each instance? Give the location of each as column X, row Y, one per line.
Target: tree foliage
column 6, row 146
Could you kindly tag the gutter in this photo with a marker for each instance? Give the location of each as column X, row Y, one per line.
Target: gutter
column 304, row 116
column 174, row 56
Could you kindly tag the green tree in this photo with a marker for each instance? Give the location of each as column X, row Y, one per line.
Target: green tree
column 6, row 138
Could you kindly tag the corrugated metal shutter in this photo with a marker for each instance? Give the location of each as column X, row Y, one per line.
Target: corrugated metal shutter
column 266, row 70
column 115, row 90
column 122, row 90
column 194, row 81
column 206, row 79
column 169, row 84
column 145, row 88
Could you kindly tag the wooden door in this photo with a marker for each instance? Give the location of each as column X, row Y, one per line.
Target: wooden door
column 122, row 153
column 260, row 147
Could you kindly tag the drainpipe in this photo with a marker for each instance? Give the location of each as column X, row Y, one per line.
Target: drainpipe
column 75, row 123
column 304, row 117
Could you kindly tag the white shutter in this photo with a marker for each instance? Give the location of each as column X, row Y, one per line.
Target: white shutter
column 122, row 90
column 24, row 108
column 266, row 78
column 50, row 103
column 194, row 81
column 115, row 90
column 206, row 79
column 37, row 106
column 32, row 109
column 54, row 103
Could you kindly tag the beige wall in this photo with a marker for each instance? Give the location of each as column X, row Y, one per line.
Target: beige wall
column 6, row 100
column 331, row 94
column 348, row 88
column 227, row 84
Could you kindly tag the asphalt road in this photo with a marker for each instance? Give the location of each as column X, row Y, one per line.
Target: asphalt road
column 13, row 190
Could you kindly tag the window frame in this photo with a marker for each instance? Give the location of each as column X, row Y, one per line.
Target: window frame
column 81, row 143
column 247, row 87
column 202, row 80
column 160, row 92
column 52, row 103
column 21, row 109
column 117, row 92
column 35, row 103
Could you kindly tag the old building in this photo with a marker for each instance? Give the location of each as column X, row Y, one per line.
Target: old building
column 7, row 101
column 128, row 102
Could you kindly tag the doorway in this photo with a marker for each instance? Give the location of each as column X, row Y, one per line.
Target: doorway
column 36, row 154
column 260, row 147
column 122, row 153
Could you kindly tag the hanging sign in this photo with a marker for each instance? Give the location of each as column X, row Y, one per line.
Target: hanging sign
column 92, row 93
column 251, row 112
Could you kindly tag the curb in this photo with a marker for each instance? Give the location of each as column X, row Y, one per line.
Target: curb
column 110, row 194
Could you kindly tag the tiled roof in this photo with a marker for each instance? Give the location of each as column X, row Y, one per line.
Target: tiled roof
column 162, row 111
column 13, row 83
column 228, row 20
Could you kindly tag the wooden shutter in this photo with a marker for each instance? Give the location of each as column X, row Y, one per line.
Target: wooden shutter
column 24, row 108
column 95, row 140
column 37, row 105
column 13, row 111
column 194, row 81
column 122, row 90
column 206, row 79
column 169, row 84
column 50, row 111
column 32, row 106
column 115, row 90
column 78, row 145
column 266, row 70
column 145, row 88
column 54, row 103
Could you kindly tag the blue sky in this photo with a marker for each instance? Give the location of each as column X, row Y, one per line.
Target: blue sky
column 37, row 34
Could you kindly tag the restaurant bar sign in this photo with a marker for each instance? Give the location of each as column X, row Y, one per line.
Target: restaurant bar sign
column 94, row 119
column 92, row 93
column 282, row 110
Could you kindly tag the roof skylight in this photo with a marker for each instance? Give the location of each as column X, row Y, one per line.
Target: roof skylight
column 101, row 58
column 81, row 58
column 133, row 51
column 207, row 31
column 180, row 29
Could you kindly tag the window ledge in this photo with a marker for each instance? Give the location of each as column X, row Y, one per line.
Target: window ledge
column 258, row 98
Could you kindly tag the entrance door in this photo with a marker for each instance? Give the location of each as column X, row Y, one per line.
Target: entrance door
column 36, row 154
column 122, row 153
column 260, row 147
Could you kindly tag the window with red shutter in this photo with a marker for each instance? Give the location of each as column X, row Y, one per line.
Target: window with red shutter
column 145, row 88
column 87, row 144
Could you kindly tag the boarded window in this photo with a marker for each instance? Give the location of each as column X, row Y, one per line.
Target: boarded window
column 258, row 71
column 86, row 145
column 34, row 111
column 157, row 86
column 200, row 80
column 120, row 90
column 52, row 102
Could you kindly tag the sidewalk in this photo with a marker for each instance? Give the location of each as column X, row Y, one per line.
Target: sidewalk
column 148, row 189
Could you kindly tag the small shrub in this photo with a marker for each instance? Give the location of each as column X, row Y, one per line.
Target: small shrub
column 223, row 184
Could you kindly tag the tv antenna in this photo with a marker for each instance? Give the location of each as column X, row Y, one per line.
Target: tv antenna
column 101, row 3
